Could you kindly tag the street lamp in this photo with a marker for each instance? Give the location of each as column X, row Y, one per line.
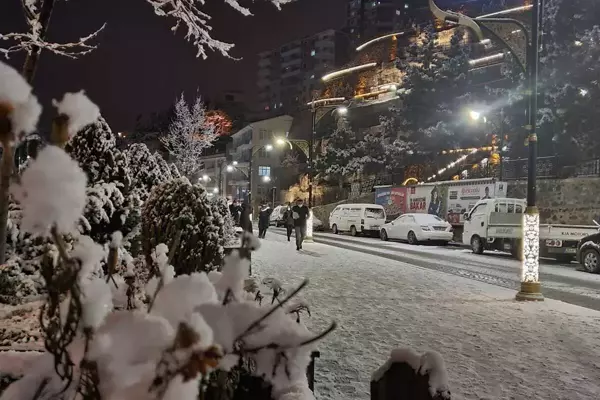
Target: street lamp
column 475, row 115
column 479, row 116
column 216, row 190
column 230, row 168
column 266, row 178
column 317, row 105
column 525, row 48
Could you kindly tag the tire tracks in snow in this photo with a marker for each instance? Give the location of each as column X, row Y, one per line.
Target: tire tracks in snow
column 476, row 272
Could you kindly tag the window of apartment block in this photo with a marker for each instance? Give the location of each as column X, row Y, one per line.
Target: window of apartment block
column 313, row 52
column 264, row 170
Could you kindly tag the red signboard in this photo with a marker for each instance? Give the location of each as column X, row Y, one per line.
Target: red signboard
column 398, row 196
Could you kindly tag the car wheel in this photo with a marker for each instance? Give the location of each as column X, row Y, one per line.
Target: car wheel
column 591, row 261
column 412, row 238
column 383, row 235
column 353, row 231
column 334, row 229
column 476, row 245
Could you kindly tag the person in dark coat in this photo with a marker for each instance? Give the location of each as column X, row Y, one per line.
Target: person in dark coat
column 245, row 221
column 300, row 213
column 235, row 210
column 288, row 220
column 263, row 219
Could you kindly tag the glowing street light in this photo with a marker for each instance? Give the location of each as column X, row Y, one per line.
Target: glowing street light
column 475, row 115
column 230, row 168
column 266, row 178
column 234, row 163
column 280, row 141
column 269, row 147
column 216, row 190
column 583, row 92
column 343, row 110
column 205, row 178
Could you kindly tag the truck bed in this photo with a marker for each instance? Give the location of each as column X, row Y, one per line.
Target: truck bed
column 509, row 226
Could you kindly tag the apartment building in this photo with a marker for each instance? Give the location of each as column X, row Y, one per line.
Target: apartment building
column 288, row 75
column 367, row 19
column 253, row 153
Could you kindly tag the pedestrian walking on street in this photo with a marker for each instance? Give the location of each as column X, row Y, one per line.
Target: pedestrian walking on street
column 300, row 214
column 235, row 210
column 288, row 220
column 263, row 219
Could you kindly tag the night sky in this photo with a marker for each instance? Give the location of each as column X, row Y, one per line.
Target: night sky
column 140, row 66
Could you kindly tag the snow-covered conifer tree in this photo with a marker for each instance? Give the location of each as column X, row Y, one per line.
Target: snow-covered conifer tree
column 189, row 136
column 569, row 71
column 178, row 209
column 335, row 162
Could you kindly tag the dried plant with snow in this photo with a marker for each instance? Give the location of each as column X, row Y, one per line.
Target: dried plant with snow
column 79, row 110
column 17, row 100
column 189, row 135
column 51, row 192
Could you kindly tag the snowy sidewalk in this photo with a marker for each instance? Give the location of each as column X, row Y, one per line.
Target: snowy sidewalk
column 494, row 348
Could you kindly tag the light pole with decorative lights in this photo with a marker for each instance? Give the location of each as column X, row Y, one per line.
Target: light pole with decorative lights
column 524, row 45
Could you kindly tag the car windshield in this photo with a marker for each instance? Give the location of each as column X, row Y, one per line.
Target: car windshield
column 374, row 213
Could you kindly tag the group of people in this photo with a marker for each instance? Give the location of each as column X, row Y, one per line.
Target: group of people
column 295, row 219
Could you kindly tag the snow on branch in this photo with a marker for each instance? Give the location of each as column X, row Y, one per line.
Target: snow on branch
column 187, row 14
column 189, row 135
column 34, row 39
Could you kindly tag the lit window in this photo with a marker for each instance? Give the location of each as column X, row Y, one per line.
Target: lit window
column 398, row 12
column 266, row 108
column 312, row 53
column 406, row 6
column 264, row 171
column 280, row 104
column 312, row 76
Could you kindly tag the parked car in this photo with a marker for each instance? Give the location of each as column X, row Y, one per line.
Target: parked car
column 415, row 228
column 276, row 217
column 318, row 224
column 357, row 219
column 588, row 252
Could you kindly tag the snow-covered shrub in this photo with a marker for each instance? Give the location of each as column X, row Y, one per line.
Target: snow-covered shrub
column 178, row 211
column 221, row 211
column 146, row 169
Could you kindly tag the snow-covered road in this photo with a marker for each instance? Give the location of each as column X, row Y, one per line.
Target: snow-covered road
column 494, row 347
column 560, row 281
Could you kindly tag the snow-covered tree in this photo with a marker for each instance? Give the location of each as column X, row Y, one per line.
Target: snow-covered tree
column 181, row 214
column 186, row 14
column 569, row 85
column 435, row 92
column 189, row 136
column 335, row 163
column 221, row 212
column 146, row 169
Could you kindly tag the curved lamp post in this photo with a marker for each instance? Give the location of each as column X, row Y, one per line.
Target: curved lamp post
column 524, row 45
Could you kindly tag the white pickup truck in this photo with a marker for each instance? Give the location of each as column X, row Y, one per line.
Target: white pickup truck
column 496, row 224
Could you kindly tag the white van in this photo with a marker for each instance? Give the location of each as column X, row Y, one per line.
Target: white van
column 357, row 218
